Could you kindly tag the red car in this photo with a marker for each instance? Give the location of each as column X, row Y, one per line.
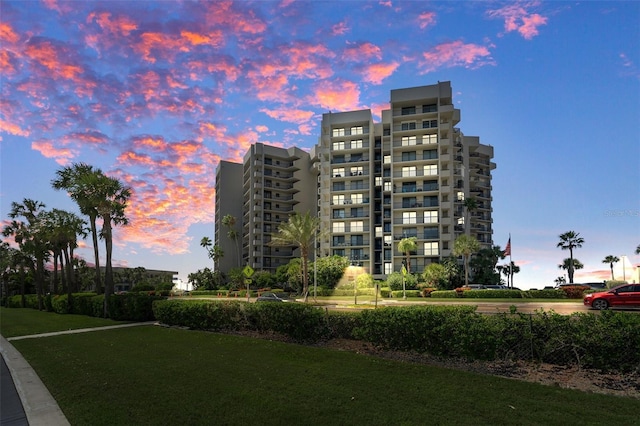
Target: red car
column 626, row 295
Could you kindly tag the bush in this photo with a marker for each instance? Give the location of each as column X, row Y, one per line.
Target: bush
column 142, row 287
column 574, row 291
column 492, row 294
column 444, row 294
column 410, row 293
column 545, row 294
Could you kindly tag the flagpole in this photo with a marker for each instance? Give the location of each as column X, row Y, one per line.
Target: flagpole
column 510, row 261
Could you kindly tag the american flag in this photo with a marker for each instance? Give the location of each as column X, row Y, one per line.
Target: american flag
column 507, row 251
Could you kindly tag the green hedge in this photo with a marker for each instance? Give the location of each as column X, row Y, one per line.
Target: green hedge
column 301, row 322
column 444, row 294
column 399, row 294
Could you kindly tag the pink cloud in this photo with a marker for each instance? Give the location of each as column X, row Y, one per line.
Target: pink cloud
column 455, row 53
column 360, row 52
column 12, row 128
column 337, row 95
column 341, row 28
column 375, row 73
column 517, row 18
column 62, row 156
column 426, row 19
column 289, row 115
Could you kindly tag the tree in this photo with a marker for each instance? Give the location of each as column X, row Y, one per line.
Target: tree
column 203, row 279
column 80, row 182
column 611, row 260
column 638, row 249
column 573, row 264
column 230, row 222
column 452, row 268
column 484, row 265
column 568, row 241
column 465, row 246
column 470, row 205
column 509, row 270
column 406, row 246
column 63, row 229
column 330, row 269
column 436, row 275
column 299, row 231
column 216, row 254
column 31, row 237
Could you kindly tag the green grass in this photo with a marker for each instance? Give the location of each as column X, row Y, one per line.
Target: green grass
column 24, row 322
column 155, row 376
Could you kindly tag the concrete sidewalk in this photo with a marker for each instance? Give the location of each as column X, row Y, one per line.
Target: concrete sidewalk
column 25, row 400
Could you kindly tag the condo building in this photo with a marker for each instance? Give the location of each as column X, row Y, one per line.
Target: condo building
column 414, row 174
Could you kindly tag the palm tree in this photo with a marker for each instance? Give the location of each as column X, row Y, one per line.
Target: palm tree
column 611, row 260
column 470, row 205
column 509, row 270
column 63, row 229
column 215, row 253
column 113, row 202
column 79, row 181
column 638, row 249
column 465, row 246
column 406, row 246
column 574, row 264
column 299, row 231
column 31, row 237
column 230, row 222
column 568, row 241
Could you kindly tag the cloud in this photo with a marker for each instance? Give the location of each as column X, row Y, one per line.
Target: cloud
column 47, row 148
column 453, row 54
column 426, row 19
column 375, row 73
column 517, row 18
column 290, row 115
column 336, row 95
column 361, row 52
column 12, row 128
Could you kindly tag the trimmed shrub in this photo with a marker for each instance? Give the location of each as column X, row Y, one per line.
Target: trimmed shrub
column 574, row 291
column 410, row 293
column 444, row 294
column 492, row 294
column 546, row 294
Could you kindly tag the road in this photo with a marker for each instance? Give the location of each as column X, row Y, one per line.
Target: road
column 563, row 308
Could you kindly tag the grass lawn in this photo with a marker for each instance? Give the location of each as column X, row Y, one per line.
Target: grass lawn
column 22, row 322
column 156, row 376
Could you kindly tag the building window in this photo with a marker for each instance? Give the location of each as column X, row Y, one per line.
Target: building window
column 431, row 170
column 388, row 268
column 337, row 199
column 338, row 252
column 387, row 240
column 338, row 214
column 408, row 187
column 431, row 249
column 460, row 196
column 338, row 172
column 357, row 240
column 430, row 201
column 408, row 140
column 357, row 226
column 429, row 124
column 409, row 217
column 409, row 156
column 430, row 154
column 430, row 108
column 356, row 144
column 386, row 159
column 357, row 130
column 338, row 186
column 430, row 185
column 409, row 232
column 378, row 180
column 357, row 171
column 408, row 125
column 357, row 198
column 338, row 132
column 387, row 186
column 431, row 216
column 429, row 139
column 338, row 159
column 337, row 226
column 431, row 233
column 408, row 202
column 408, row 110
column 409, row 171
column 338, row 241
column 337, row 146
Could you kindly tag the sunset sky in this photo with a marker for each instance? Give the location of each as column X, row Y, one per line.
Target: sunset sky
column 156, row 93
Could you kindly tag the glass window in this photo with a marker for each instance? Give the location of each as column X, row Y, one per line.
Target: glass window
column 338, row 252
column 337, row 159
column 357, row 198
column 431, row 216
column 357, row 240
column 408, row 156
column 338, row 241
column 387, row 159
column 409, row 217
column 338, row 214
column 429, row 139
column 387, row 186
column 460, row 196
column 408, row 110
column 430, row 108
column 430, row 170
column 430, row 201
column 409, row 171
column 337, row 146
column 357, row 226
column 409, row 232
column 338, row 186
column 338, row 172
column 338, row 132
column 430, row 154
column 388, row 268
column 431, row 249
column 356, row 144
column 357, row 130
column 408, row 140
column 430, row 185
column 337, row 199
column 357, row 171
column 409, row 125
column 431, row 233
column 337, row 226
column 408, row 202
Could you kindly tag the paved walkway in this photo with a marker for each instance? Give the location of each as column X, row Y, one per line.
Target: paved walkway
column 24, row 399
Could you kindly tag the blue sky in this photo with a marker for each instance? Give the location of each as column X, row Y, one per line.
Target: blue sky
column 157, row 93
